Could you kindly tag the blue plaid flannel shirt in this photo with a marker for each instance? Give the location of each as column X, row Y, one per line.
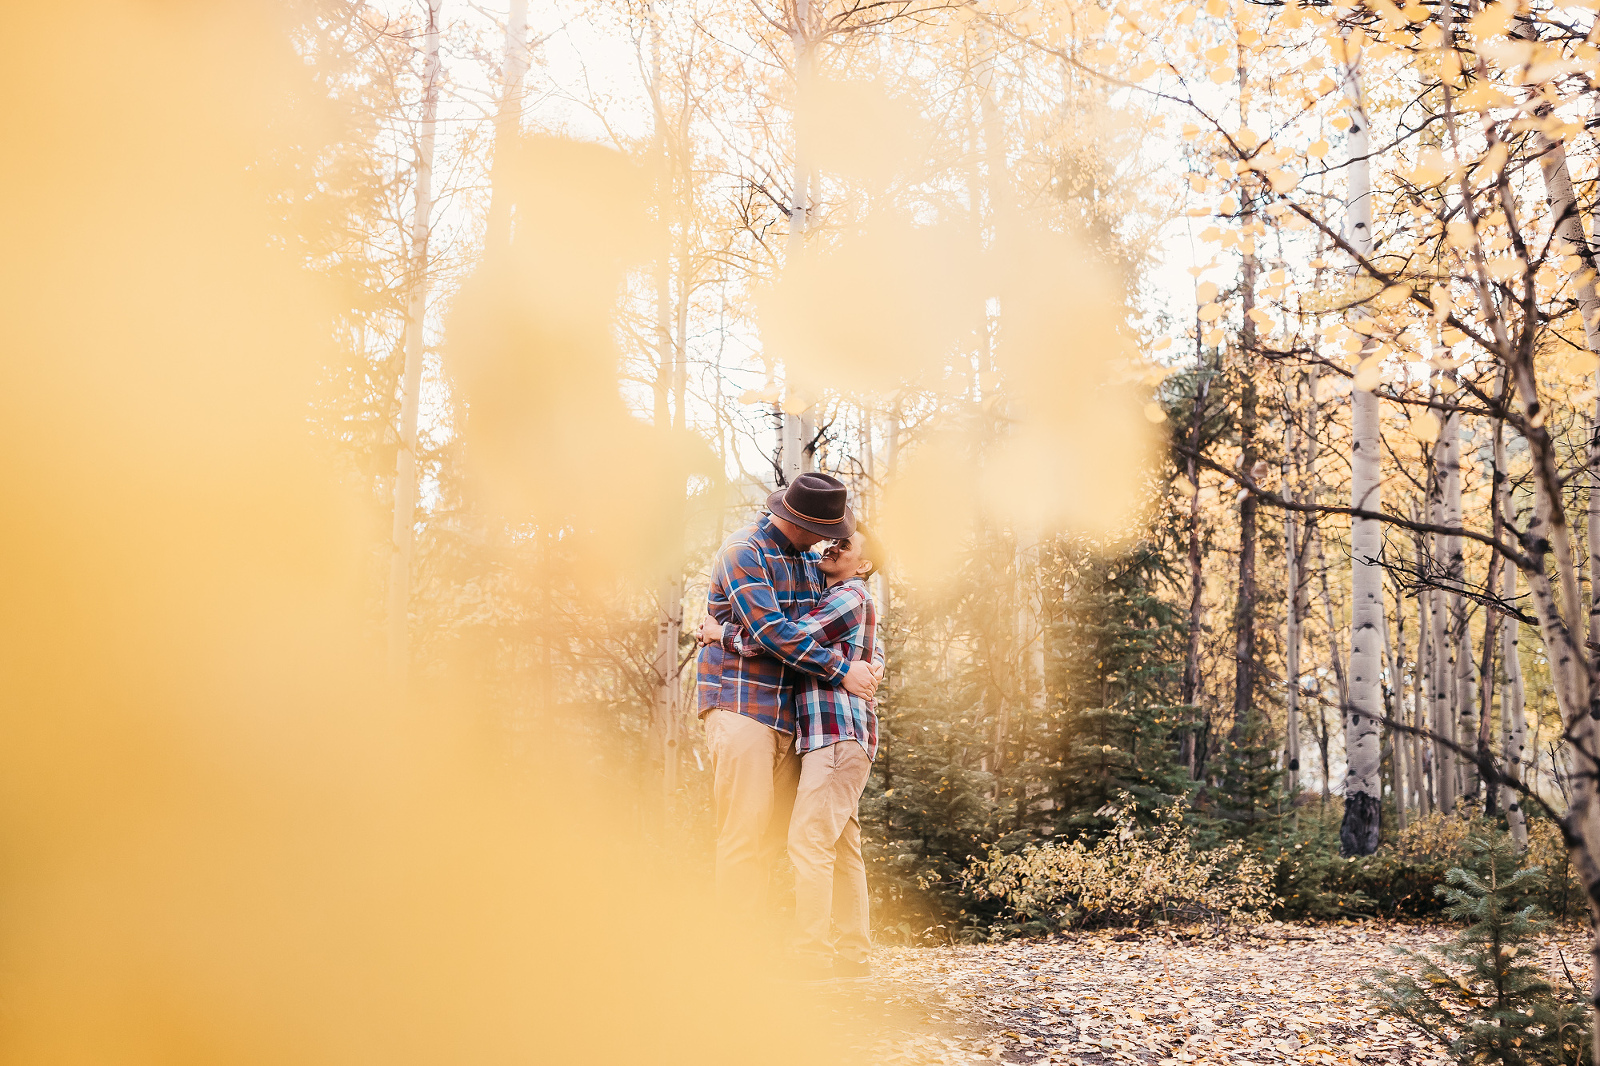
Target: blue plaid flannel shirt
column 761, row 583
column 847, row 621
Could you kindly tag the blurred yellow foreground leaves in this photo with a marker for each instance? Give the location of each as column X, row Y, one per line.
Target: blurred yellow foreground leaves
column 534, row 360
column 882, row 306
column 223, row 840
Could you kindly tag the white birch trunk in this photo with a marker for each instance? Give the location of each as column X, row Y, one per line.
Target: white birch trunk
column 1291, row 728
column 1463, row 695
column 508, row 119
column 1516, row 722
column 405, row 482
column 795, row 436
column 1441, row 709
column 1397, row 711
column 1359, row 832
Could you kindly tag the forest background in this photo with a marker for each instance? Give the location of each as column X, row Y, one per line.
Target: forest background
column 892, row 242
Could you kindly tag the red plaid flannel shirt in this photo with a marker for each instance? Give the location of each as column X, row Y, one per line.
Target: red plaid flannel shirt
column 761, row 583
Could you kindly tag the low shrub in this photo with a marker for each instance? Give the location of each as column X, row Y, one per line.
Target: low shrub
column 1132, row 874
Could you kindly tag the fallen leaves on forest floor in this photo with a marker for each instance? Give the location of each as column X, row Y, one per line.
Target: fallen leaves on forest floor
column 1286, row 994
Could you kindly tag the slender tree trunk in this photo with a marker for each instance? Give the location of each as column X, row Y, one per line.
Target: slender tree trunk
column 1512, row 710
column 1394, row 707
column 403, row 534
column 507, row 121
column 1463, row 692
column 795, row 442
column 1291, row 728
column 1440, row 711
column 1192, row 757
column 1335, row 648
column 1363, row 795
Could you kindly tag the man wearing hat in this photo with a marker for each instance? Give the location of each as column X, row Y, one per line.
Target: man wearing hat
column 763, row 579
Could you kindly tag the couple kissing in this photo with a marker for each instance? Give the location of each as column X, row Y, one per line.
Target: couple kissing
column 789, row 663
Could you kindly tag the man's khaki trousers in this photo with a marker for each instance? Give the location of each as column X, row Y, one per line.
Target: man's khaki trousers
column 830, row 878
column 753, row 776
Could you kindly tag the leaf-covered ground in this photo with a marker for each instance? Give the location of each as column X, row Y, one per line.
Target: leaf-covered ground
column 1281, row 994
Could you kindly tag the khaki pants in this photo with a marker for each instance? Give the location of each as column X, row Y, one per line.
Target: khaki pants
column 830, row 878
column 753, row 775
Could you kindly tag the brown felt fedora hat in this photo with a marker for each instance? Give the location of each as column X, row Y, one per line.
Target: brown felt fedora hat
column 816, row 503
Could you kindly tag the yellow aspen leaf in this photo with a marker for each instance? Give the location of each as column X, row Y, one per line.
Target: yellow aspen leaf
column 1506, row 267
column 1571, row 263
column 1494, row 160
column 1425, row 427
column 1430, row 168
column 1209, row 313
column 1318, row 263
column 1260, row 317
column 1217, row 53
column 1247, row 138
column 1369, row 374
column 1144, row 70
column 1154, row 413
column 1439, row 297
column 1493, row 20
column 1190, row 132
column 1211, row 234
column 1282, row 181
column 1206, row 291
column 1461, row 235
column 1212, row 337
column 1482, row 97
column 1343, row 51
column 1228, row 206
column 1393, row 296
column 1183, row 487
column 1222, row 75
column 1216, row 8
column 1582, row 363
column 1452, row 336
column 1340, row 122
column 1317, row 148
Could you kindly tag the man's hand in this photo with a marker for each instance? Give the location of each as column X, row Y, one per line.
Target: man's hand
column 878, row 670
column 862, row 680
column 710, row 631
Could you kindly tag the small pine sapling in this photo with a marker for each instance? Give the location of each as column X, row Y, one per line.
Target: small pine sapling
column 1481, row 992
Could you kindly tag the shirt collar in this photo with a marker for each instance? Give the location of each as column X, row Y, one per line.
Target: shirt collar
column 770, row 528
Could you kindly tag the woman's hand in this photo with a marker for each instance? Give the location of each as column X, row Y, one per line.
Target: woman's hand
column 710, row 631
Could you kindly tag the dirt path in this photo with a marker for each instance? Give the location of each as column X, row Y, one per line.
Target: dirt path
column 1287, row 994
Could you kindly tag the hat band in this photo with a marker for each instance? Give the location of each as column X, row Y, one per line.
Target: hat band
column 801, row 514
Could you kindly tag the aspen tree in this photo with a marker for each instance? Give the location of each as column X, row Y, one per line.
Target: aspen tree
column 794, row 444
column 666, row 710
column 507, row 119
column 1244, row 615
column 1441, row 707
column 1363, row 807
column 1291, row 728
column 1459, row 631
column 405, row 481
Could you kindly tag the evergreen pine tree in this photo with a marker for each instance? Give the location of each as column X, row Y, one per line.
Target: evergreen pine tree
column 1117, row 646
column 1481, row 991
